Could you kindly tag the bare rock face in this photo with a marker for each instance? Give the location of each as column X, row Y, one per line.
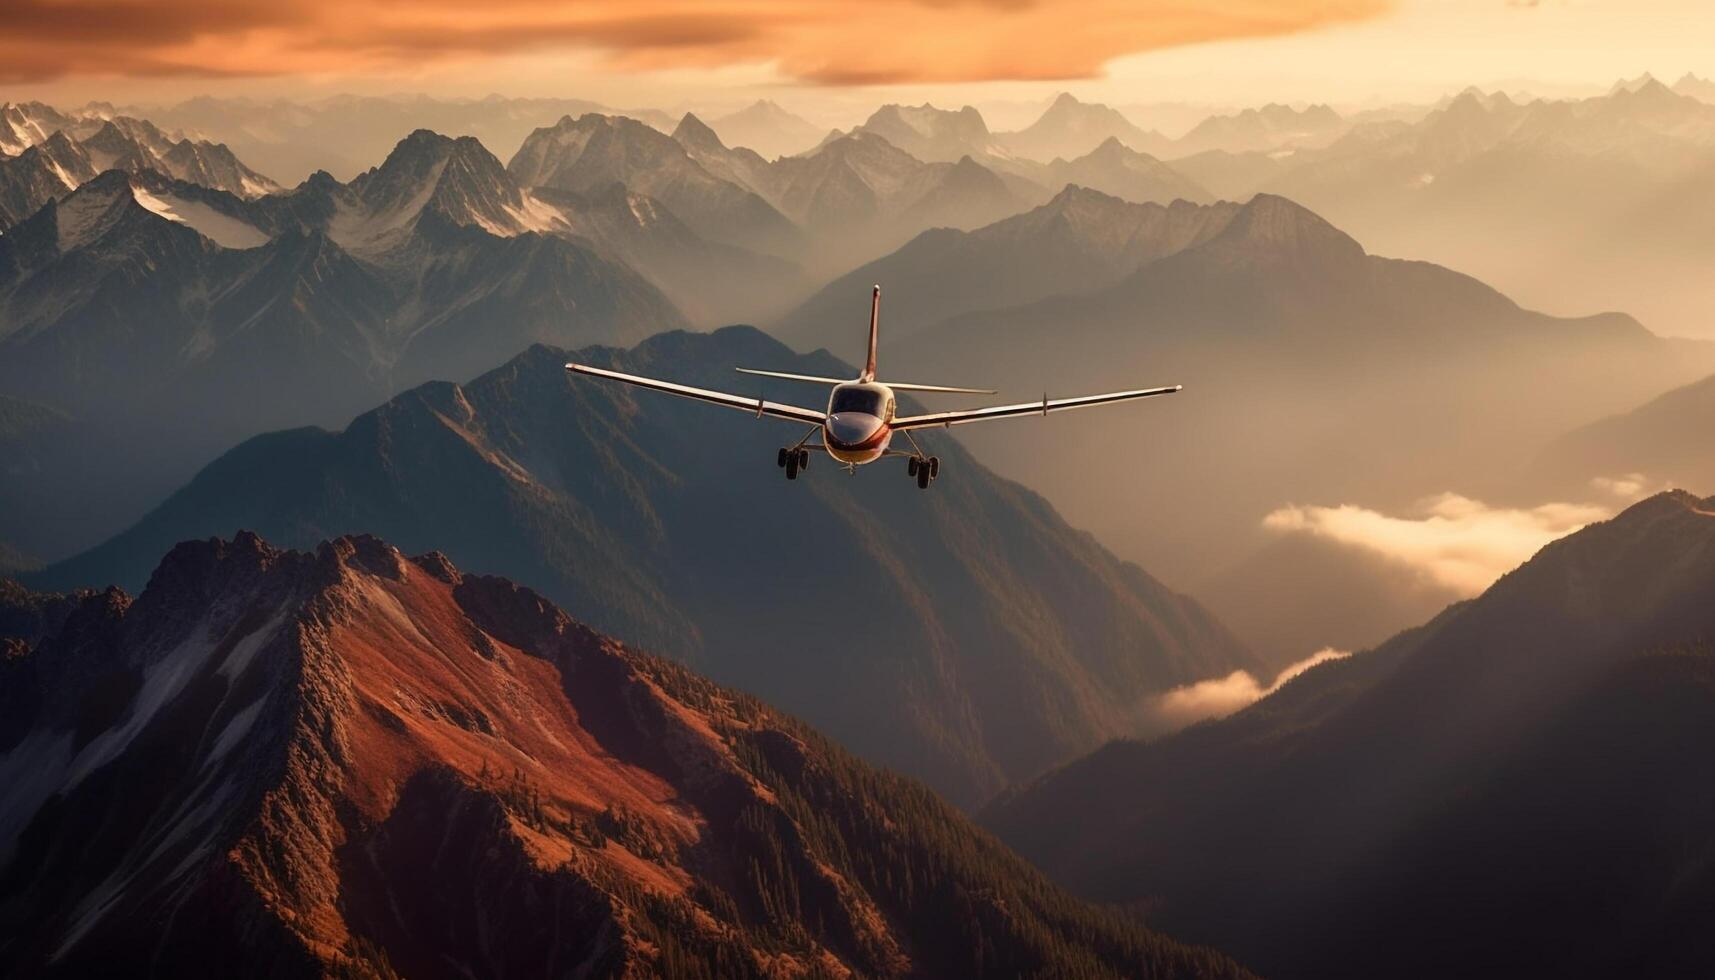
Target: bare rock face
column 352, row 762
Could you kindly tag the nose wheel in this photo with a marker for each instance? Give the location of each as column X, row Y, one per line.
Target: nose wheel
column 793, row 461
column 924, row 468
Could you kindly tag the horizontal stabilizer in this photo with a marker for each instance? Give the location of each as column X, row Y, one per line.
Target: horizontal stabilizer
column 813, row 379
column 902, row 386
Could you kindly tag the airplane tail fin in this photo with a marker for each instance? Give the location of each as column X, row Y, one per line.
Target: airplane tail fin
column 874, row 316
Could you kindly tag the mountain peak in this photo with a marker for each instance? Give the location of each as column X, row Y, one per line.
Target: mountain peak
column 1075, row 196
column 349, row 742
column 1633, row 84
column 1278, row 228
column 1649, row 90
column 1112, row 148
column 456, row 179
column 88, row 213
column 695, row 133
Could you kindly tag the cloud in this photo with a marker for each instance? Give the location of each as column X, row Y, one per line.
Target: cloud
column 1628, row 487
column 832, row 42
column 1455, row 542
column 1221, row 696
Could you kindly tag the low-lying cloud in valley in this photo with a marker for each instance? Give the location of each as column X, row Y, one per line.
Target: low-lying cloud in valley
column 1219, row 697
column 1453, row 541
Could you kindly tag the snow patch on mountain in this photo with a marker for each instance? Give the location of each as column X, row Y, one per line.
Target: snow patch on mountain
column 222, row 229
column 362, row 231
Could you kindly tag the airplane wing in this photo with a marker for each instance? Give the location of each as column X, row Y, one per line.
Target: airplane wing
column 1042, row 407
column 740, row 402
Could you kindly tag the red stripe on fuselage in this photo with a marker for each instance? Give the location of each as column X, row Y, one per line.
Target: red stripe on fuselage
column 879, row 437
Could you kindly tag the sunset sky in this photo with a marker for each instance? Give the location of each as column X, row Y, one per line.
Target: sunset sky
column 820, row 55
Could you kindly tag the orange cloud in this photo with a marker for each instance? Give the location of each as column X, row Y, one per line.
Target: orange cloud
column 832, row 42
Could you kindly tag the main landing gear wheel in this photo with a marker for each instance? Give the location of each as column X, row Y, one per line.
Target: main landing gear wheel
column 923, row 468
column 780, row 459
column 792, row 466
column 803, row 459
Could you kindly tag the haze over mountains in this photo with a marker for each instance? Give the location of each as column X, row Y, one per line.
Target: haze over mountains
column 357, row 763
column 995, row 641
column 1519, row 787
column 1598, row 203
column 655, row 229
column 1298, row 351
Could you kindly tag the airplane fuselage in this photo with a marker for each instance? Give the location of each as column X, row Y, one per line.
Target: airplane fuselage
column 857, row 427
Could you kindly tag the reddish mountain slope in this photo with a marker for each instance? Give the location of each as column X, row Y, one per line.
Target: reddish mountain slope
column 354, row 763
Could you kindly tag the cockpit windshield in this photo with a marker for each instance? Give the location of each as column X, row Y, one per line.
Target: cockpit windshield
column 870, row 401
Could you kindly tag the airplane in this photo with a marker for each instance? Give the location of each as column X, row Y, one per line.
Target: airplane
column 860, row 422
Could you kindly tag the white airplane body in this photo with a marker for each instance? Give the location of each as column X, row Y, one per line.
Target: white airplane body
column 860, row 421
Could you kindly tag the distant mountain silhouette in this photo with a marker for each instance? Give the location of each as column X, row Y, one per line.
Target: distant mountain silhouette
column 859, row 196
column 356, row 763
column 1079, row 241
column 1518, row 788
column 970, row 638
column 593, row 150
column 1698, row 88
column 1070, row 129
column 1668, row 440
column 1270, row 128
column 768, row 129
column 1599, row 203
column 930, row 134
column 345, row 134
column 1112, row 168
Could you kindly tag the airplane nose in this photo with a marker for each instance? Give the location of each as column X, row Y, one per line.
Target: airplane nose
column 852, row 428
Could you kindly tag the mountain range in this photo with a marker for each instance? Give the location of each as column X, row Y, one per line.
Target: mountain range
column 1565, row 204
column 354, row 763
column 593, row 151
column 1069, row 128
column 1518, row 787
column 176, row 320
column 345, row 134
column 1273, row 128
column 933, row 135
column 56, row 153
column 989, row 639
column 1079, row 241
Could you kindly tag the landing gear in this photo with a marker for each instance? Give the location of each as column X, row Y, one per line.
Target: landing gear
column 793, row 461
column 924, row 468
